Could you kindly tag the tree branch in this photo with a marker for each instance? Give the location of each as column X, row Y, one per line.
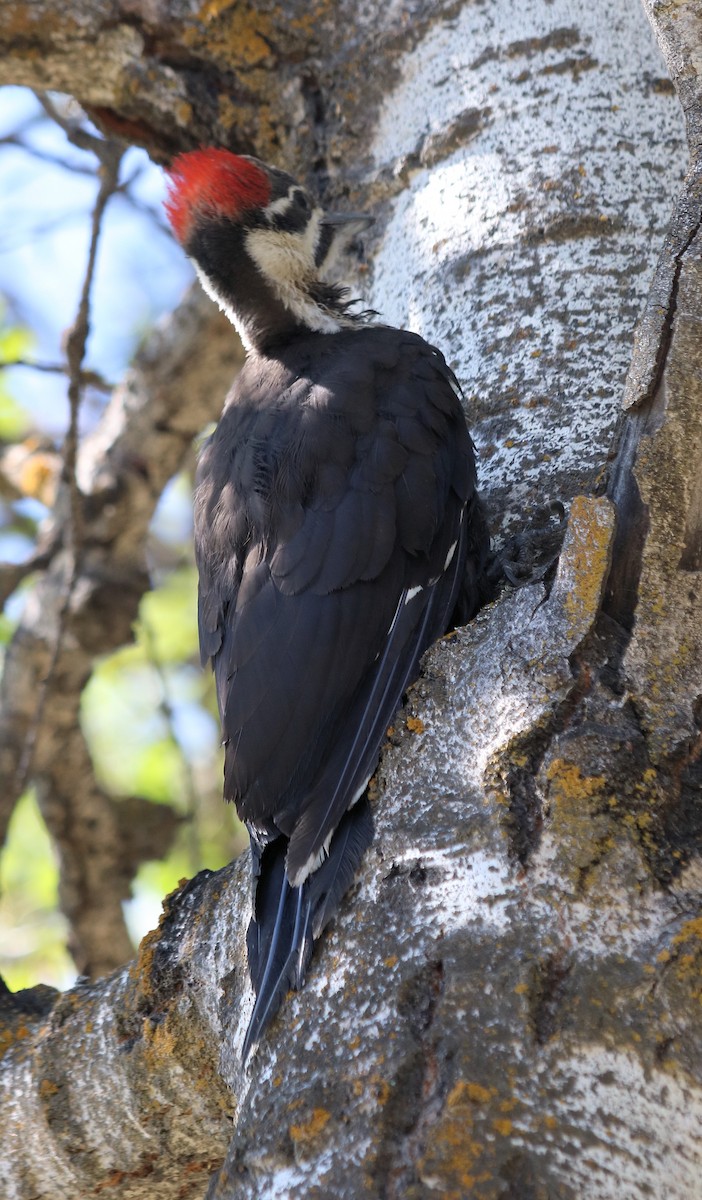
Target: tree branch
column 116, row 1086
column 110, row 156
column 175, row 387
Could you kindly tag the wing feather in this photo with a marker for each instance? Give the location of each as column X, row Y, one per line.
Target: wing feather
column 324, row 518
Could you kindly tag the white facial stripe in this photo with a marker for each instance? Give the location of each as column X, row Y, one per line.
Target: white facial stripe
column 287, row 262
column 229, row 312
column 281, row 205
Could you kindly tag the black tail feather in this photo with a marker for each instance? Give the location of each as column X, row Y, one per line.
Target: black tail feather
column 286, row 919
column 330, row 882
column 278, row 940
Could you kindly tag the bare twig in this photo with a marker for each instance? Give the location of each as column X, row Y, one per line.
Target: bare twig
column 76, row 133
column 146, row 210
column 14, row 139
column 110, row 154
column 12, row 574
column 87, row 378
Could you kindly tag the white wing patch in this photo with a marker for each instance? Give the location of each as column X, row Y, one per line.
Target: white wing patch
column 314, row 861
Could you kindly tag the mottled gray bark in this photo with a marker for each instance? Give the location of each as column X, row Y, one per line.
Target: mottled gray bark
column 509, row 1004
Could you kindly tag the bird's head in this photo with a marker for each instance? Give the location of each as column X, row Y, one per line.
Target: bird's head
column 260, row 244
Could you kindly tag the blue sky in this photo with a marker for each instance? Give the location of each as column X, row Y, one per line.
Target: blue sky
column 44, row 236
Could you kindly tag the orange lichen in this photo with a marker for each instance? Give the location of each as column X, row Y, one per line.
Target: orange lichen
column 214, row 8
column 160, row 1036
column 685, row 965
column 503, row 1126
column 184, row 113
column 691, row 929
column 240, row 35
column 465, row 1091
column 452, row 1157
column 415, row 725
column 309, row 1130
column 194, row 1168
column 47, row 1088
column 114, row 1179
column 586, row 557
column 570, row 783
column 306, row 20
column 382, row 1089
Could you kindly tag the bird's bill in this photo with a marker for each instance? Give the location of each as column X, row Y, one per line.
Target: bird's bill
column 354, row 222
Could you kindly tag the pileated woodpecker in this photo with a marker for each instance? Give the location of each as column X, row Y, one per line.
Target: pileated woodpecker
column 337, row 527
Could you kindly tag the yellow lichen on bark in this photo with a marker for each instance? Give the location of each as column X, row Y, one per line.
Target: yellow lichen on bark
column 570, row 784
column 580, row 817
column 308, row 1131
column 451, row 1157
column 585, row 559
column 234, row 32
column 466, row 1091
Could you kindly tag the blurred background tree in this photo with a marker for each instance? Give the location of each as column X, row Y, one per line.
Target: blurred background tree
column 148, row 712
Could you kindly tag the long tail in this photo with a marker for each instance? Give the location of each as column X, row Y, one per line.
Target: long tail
column 286, row 920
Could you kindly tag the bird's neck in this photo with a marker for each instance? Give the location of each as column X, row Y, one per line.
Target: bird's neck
column 264, row 308
column 258, row 316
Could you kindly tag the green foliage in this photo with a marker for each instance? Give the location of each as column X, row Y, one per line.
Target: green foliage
column 132, row 704
column 167, row 627
column 149, row 715
column 15, row 343
column 32, row 930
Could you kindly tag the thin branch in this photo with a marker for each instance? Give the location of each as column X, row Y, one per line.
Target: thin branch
column 74, row 131
column 56, row 160
column 110, row 156
column 12, row 574
column 87, row 378
column 145, row 209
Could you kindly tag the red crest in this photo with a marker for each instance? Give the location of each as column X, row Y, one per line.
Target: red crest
column 216, row 182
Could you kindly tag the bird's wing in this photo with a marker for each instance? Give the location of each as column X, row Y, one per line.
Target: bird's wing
column 330, row 549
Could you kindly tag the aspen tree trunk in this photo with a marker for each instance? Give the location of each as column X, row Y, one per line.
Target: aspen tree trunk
column 508, row 1005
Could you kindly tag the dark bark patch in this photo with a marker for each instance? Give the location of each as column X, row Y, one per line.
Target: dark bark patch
column 548, row 996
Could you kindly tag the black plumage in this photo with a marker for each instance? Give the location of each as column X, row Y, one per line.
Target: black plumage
column 337, row 527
